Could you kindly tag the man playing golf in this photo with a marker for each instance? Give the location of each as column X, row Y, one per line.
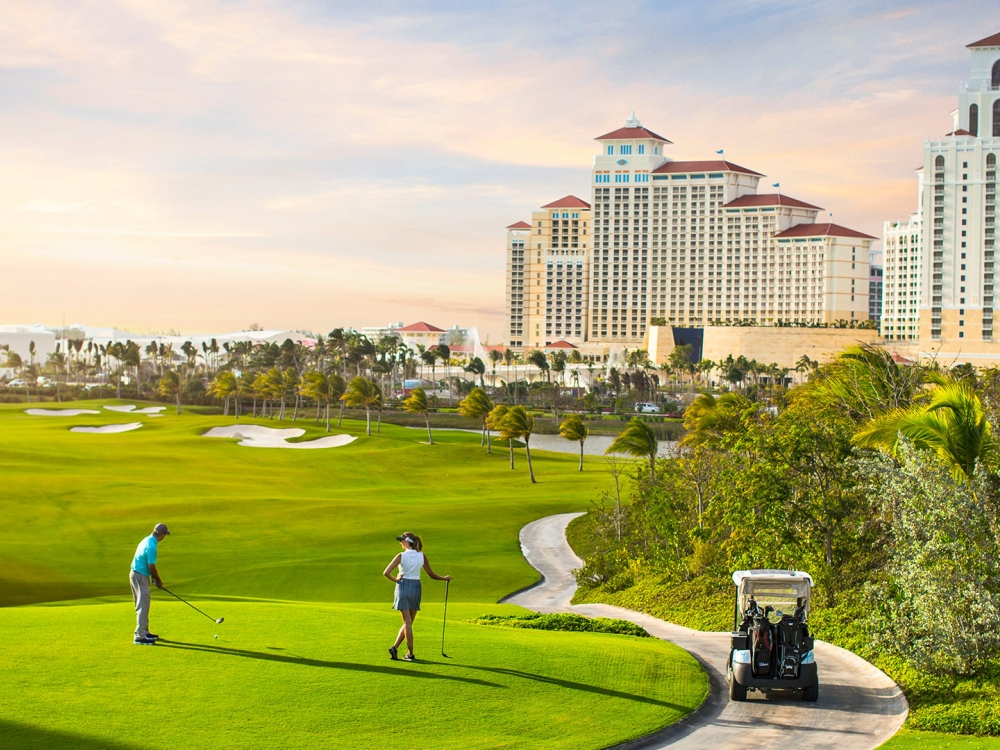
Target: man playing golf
column 407, row 599
column 144, row 568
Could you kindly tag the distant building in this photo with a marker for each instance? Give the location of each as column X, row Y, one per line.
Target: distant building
column 902, row 288
column 421, row 334
column 961, row 167
column 688, row 242
column 875, row 293
column 548, row 275
column 374, row 333
column 948, row 257
column 19, row 339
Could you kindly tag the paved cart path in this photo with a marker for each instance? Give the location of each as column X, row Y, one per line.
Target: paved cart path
column 859, row 706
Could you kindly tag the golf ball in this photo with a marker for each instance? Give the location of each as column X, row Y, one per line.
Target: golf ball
column 216, row 635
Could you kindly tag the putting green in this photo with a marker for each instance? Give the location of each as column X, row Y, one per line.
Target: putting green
column 288, row 546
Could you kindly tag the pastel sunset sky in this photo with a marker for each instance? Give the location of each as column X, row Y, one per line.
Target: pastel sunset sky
column 202, row 166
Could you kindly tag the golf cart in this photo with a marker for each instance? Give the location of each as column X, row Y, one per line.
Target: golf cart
column 772, row 652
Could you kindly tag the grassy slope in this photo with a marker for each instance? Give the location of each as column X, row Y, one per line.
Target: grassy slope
column 312, row 526
column 910, row 740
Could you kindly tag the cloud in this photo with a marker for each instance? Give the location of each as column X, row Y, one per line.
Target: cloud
column 189, row 163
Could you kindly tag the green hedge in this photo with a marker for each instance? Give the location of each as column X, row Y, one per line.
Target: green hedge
column 570, row 622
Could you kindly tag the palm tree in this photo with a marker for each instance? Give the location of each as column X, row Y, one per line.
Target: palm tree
column 638, row 440
column 416, row 403
column 323, row 389
column 363, row 392
column 508, row 358
column 952, row 424
column 274, row 385
column 224, row 386
column 495, row 357
column 260, row 389
column 708, row 418
column 290, row 386
column 538, row 359
column 170, row 386
column 518, row 424
column 478, row 406
column 494, row 421
column 574, row 429
column 476, row 367
column 557, row 362
column 443, row 352
column 152, row 351
column 428, row 357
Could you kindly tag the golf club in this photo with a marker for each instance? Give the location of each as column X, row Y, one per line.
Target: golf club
column 444, row 622
column 193, row 607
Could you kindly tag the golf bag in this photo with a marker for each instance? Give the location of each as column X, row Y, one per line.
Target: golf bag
column 793, row 642
column 761, row 634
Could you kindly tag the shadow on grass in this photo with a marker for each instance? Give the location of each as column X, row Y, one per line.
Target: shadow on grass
column 307, row 662
column 570, row 685
column 28, row 737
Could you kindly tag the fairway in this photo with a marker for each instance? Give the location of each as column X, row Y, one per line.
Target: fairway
column 289, row 547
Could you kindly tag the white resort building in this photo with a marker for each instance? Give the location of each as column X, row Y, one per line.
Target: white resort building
column 901, row 273
column 689, row 242
column 951, row 237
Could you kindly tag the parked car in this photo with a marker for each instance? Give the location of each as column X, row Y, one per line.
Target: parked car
column 17, row 383
column 647, row 408
column 772, row 653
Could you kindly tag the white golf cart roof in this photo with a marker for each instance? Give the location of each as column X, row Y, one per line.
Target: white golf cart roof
column 782, row 589
column 771, row 575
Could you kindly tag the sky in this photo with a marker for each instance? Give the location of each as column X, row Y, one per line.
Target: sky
column 205, row 166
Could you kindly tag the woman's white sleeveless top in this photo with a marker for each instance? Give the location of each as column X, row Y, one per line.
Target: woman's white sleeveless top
column 410, row 564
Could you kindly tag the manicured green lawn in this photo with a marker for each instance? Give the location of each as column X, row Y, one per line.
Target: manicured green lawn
column 312, row 525
column 910, row 740
column 317, row 675
column 289, row 546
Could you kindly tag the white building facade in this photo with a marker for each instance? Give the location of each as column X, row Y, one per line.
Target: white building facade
column 902, row 275
column 959, row 209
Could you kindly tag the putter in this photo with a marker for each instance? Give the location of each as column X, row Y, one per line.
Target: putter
column 444, row 622
column 193, row 607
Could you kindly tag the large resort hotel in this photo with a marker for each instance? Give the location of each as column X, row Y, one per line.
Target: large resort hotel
column 690, row 242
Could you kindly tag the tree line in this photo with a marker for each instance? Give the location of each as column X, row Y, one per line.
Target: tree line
column 878, row 478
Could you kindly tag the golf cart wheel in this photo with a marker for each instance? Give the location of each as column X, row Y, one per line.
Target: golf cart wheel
column 811, row 693
column 737, row 692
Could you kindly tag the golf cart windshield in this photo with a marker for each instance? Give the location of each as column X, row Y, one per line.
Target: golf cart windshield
column 785, row 590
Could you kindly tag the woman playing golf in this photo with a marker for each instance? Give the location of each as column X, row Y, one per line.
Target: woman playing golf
column 407, row 599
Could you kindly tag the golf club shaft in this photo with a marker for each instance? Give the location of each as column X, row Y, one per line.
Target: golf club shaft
column 187, row 603
column 444, row 622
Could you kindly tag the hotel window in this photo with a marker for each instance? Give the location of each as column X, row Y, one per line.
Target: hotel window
column 611, row 150
column 625, row 150
column 642, row 149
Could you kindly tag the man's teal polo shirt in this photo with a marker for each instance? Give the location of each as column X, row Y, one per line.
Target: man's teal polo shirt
column 145, row 555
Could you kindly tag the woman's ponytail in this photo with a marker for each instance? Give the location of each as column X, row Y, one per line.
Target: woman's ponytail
column 414, row 540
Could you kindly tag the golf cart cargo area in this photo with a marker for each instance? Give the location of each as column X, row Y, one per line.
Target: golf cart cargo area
column 771, row 648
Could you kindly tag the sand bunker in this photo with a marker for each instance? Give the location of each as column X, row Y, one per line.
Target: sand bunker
column 59, row 412
column 108, row 429
column 255, row 436
column 131, row 409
